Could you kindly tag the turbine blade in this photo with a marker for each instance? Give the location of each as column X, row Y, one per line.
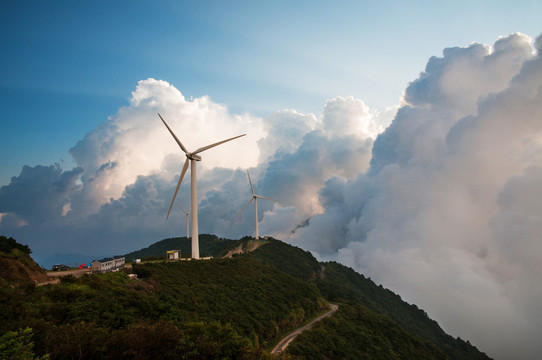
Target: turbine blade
column 215, row 144
column 250, row 181
column 244, row 207
column 174, row 136
column 185, row 167
column 265, row 198
column 183, row 210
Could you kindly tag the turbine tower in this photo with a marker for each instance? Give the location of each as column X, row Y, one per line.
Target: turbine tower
column 192, row 157
column 186, row 214
column 255, row 198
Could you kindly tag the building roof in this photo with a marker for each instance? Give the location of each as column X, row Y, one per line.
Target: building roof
column 109, row 259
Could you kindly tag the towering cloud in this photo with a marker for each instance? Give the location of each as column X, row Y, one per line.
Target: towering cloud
column 134, row 142
column 438, row 200
column 443, row 215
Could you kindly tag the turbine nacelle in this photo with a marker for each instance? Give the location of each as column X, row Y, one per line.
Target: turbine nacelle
column 193, row 157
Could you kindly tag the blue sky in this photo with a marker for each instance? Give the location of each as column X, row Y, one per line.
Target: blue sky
column 66, row 66
column 402, row 139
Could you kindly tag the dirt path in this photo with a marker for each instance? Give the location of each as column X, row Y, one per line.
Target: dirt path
column 283, row 344
column 74, row 272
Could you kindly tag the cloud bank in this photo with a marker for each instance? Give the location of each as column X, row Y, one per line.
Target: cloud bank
column 438, row 200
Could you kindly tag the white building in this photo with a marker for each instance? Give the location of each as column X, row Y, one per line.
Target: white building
column 108, row 264
column 173, row 255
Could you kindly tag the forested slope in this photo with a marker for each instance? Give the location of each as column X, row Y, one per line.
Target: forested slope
column 384, row 325
column 236, row 307
column 220, row 308
column 343, row 283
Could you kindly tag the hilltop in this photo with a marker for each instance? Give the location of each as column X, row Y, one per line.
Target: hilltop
column 209, row 245
column 232, row 307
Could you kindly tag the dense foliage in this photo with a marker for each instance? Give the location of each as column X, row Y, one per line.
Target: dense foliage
column 223, row 308
column 18, row 345
column 289, row 259
column 354, row 332
column 341, row 283
column 227, row 308
column 259, row 300
column 8, row 245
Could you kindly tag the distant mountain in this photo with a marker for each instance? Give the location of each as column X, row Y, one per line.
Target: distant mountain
column 237, row 305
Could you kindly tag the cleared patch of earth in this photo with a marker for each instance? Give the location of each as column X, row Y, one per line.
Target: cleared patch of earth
column 245, row 247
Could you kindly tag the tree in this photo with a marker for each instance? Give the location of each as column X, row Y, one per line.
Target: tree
column 8, row 244
column 18, row 345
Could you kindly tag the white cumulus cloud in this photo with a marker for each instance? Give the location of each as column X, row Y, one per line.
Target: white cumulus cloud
column 445, row 215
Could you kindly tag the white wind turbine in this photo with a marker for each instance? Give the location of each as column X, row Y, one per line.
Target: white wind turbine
column 192, row 157
column 255, row 198
column 186, row 214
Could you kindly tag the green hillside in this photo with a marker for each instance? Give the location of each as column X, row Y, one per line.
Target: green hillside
column 289, row 259
column 355, row 332
column 229, row 308
column 343, row 283
column 340, row 284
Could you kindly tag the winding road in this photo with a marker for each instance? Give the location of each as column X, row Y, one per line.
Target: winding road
column 283, row 344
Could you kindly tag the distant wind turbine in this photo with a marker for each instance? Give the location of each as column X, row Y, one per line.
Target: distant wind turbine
column 255, row 198
column 186, row 214
column 193, row 157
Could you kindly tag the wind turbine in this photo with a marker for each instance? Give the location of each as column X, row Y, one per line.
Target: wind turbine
column 255, row 198
column 186, row 214
column 192, row 157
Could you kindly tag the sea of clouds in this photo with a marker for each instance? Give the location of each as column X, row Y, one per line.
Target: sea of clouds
column 438, row 199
